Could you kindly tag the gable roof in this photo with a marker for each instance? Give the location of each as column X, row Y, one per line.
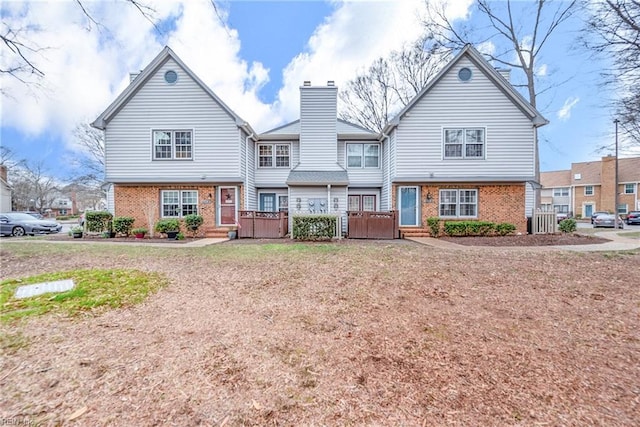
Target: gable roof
column 491, row 73
column 343, row 127
column 591, row 172
column 145, row 75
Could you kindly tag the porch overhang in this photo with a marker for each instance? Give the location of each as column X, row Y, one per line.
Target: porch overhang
column 204, row 179
column 450, row 179
column 317, row 178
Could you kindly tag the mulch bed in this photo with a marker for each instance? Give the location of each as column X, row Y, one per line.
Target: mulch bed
column 560, row 239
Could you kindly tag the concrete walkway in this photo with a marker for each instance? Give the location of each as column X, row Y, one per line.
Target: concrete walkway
column 617, row 243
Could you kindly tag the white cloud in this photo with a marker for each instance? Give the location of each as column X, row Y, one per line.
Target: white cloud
column 542, row 70
column 564, row 113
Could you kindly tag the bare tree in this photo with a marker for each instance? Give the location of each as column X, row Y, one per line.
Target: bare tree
column 522, row 36
column 33, row 188
column 90, row 159
column 613, row 31
column 390, row 83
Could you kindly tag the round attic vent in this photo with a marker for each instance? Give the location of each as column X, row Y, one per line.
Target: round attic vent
column 464, row 74
column 171, row 77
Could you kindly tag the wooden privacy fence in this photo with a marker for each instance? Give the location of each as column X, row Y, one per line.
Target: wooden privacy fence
column 372, row 225
column 263, row 225
column 544, row 222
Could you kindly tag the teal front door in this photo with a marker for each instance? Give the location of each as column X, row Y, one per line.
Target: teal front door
column 588, row 210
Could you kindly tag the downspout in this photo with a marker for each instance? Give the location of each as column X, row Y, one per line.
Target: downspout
column 388, row 183
column 246, row 166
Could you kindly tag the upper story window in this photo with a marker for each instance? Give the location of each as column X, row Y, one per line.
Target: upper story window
column 464, row 143
column 561, row 192
column 363, row 155
column 588, row 190
column 629, row 188
column 172, row 144
column 274, row 155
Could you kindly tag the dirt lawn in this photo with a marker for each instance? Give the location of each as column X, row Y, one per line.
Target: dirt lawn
column 352, row 333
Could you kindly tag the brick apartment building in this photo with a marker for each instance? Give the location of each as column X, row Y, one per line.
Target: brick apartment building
column 590, row 186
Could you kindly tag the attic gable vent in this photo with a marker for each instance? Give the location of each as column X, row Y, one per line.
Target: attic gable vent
column 307, row 83
column 577, row 176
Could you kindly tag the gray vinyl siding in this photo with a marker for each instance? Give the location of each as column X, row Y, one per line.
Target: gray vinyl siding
column 181, row 106
column 275, row 176
column 361, row 177
column 251, row 198
column 529, row 200
column 385, row 191
column 509, row 135
column 318, row 136
column 111, row 205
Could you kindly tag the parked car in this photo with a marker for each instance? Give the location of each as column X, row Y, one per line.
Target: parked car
column 607, row 220
column 595, row 214
column 633, row 217
column 36, row 215
column 19, row 224
column 561, row 216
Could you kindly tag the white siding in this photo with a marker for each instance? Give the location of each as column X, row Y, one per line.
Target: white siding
column 371, row 177
column 385, row 198
column 161, row 106
column 275, row 176
column 529, row 200
column 318, row 136
column 111, row 204
column 509, row 149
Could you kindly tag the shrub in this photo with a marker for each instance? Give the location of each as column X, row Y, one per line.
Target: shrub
column 123, row 224
column 568, row 225
column 314, row 227
column 505, row 228
column 434, row 226
column 455, row 228
column 139, row 230
column 193, row 222
column 98, row 220
column 167, row 225
column 479, row 228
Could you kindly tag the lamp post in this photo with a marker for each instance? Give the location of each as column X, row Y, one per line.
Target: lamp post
column 615, row 188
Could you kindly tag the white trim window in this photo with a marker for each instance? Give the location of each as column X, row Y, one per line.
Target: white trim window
column 464, row 143
column 561, row 192
column 629, row 189
column 363, row 155
column 462, row 203
column 178, row 203
column 588, row 190
column 274, row 155
column 172, row 144
column 561, row 208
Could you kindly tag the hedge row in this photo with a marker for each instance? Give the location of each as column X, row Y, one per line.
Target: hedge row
column 470, row 228
column 314, row 227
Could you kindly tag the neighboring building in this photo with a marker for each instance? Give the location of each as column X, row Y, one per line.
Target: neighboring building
column 589, row 187
column 464, row 148
column 5, row 191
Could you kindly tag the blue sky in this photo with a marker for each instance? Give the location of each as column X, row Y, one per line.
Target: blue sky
column 255, row 56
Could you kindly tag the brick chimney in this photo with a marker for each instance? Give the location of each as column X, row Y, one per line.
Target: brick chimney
column 3, row 172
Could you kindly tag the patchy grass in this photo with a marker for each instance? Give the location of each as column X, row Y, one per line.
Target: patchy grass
column 93, row 289
column 631, row 235
column 12, row 341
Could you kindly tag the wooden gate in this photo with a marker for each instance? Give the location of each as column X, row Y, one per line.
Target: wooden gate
column 263, row 225
column 544, row 222
column 372, row 225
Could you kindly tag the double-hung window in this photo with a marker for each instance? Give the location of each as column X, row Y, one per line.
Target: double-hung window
column 588, row 190
column 464, row 143
column 274, row 155
column 363, row 155
column 629, row 188
column 458, row 203
column 172, row 144
column 561, row 192
column 178, row 203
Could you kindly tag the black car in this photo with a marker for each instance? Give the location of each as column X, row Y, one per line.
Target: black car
column 633, row 217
